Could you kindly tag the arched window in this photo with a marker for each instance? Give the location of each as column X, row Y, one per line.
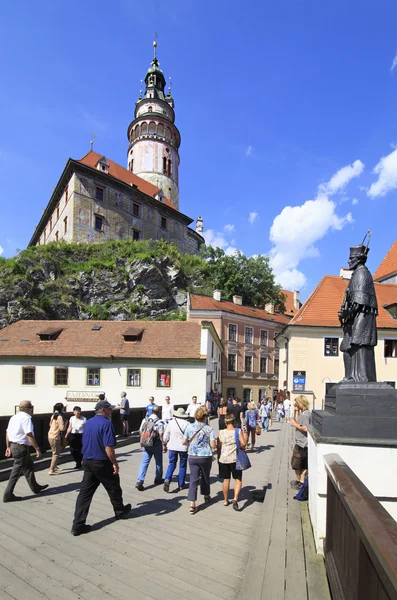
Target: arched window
column 164, row 165
column 144, row 128
column 152, row 128
column 168, row 133
column 160, row 130
column 169, row 168
column 150, row 109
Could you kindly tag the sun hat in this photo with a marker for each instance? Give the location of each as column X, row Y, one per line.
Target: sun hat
column 180, row 413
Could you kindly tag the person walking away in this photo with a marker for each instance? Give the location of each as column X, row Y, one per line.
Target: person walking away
column 227, row 450
column 75, row 435
column 19, row 439
column 251, row 419
column 150, row 406
column 269, row 408
column 287, row 407
column 124, row 407
column 200, row 440
column 280, row 411
column 222, row 411
column 100, row 467
column 263, row 414
column 173, row 442
column 168, row 410
column 237, row 410
column 191, row 409
column 299, row 453
column 152, row 429
column 56, row 434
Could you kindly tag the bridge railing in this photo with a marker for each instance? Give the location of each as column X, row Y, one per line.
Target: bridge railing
column 361, row 538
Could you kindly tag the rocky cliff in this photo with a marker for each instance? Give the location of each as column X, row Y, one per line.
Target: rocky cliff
column 117, row 280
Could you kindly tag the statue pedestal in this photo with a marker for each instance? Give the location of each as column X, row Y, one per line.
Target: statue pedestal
column 360, row 424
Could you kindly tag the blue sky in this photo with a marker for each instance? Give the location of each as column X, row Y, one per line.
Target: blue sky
column 280, row 104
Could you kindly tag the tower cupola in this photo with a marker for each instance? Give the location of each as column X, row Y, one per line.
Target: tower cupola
column 154, row 140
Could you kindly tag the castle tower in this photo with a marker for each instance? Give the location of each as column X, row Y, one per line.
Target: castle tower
column 153, row 138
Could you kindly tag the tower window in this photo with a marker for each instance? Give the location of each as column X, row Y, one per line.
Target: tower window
column 150, row 109
column 169, row 167
column 98, row 223
column 56, row 236
column 50, row 224
column 57, row 212
column 164, row 165
column 132, row 164
column 163, row 222
column 99, row 194
column 65, row 224
column 66, row 195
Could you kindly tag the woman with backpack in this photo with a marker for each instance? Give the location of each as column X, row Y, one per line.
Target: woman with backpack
column 56, row 435
column 227, row 456
column 251, row 420
column 200, row 440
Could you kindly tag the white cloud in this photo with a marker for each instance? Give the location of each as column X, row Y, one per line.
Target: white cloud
column 296, row 229
column 216, row 239
column 394, row 64
column 1, row 250
column 341, row 178
column 229, row 228
column 252, row 217
column 248, row 151
column 386, row 169
column 355, row 201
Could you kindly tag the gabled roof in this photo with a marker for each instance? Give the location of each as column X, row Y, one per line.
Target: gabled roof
column 118, row 172
column 290, row 309
column 321, row 308
column 388, row 266
column 160, row 340
column 198, row 302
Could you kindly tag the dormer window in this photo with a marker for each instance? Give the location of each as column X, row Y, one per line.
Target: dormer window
column 150, row 109
column 159, row 196
column 391, row 309
column 50, row 334
column 103, row 165
column 133, row 334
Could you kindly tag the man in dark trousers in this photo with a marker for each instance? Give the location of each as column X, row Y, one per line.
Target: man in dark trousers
column 100, row 466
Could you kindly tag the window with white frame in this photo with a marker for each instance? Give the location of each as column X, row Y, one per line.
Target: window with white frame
column 263, row 364
column 248, row 361
column 93, row 376
column 264, row 337
column 231, row 362
column 133, row 377
column 390, row 350
column 232, row 332
column 249, row 335
column 331, row 346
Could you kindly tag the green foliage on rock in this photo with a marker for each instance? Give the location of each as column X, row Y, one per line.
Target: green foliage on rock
column 125, row 280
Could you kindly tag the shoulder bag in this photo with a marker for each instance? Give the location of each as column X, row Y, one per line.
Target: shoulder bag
column 242, row 461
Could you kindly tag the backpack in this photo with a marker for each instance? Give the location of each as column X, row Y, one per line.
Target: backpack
column 303, row 493
column 148, row 433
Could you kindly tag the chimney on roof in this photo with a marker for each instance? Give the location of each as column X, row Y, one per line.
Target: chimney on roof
column 345, row 273
column 297, row 302
column 269, row 307
column 217, row 295
column 238, row 300
column 199, row 225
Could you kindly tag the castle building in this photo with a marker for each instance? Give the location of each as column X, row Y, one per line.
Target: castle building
column 97, row 199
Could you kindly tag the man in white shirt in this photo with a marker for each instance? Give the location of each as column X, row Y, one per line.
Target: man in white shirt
column 19, row 439
column 168, row 409
column 287, row 407
column 172, row 441
column 191, row 409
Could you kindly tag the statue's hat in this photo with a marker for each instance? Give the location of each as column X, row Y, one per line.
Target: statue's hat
column 358, row 250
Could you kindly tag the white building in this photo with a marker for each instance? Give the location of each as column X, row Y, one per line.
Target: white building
column 48, row 361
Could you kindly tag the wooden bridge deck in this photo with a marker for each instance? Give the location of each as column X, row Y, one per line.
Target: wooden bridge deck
column 161, row 551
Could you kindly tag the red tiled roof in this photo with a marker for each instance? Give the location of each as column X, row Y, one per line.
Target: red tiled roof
column 290, row 309
column 207, row 303
column 321, row 308
column 122, row 174
column 161, row 340
column 388, row 266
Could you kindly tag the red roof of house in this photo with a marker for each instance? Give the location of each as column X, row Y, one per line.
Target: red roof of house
column 290, row 309
column 388, row 266
column 321, row 308
column 198, row 302
column 160, row 340
column 118, row 172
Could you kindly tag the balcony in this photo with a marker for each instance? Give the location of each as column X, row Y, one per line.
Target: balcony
column 254, row 375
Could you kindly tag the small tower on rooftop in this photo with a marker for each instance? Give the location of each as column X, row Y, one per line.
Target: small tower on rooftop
column 154, row 140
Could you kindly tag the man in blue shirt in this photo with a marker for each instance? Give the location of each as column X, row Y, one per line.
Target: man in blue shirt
column 149, row 407
column 100, row 466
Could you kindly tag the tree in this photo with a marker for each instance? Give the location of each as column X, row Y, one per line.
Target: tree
column 235, row 274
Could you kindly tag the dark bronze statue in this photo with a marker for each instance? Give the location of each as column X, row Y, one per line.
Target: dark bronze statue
column 358, row 319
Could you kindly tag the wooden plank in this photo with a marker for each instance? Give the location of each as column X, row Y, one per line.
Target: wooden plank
column 317, row 584
column 295, row 572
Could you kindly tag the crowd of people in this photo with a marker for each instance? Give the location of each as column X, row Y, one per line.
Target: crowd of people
column 186, row 435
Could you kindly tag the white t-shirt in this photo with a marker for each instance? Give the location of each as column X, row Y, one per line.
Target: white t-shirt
column 167, row 411
column 173, row 434
column 18, row 426
column 77, row 424
column 191, row 409
column 287, row 404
